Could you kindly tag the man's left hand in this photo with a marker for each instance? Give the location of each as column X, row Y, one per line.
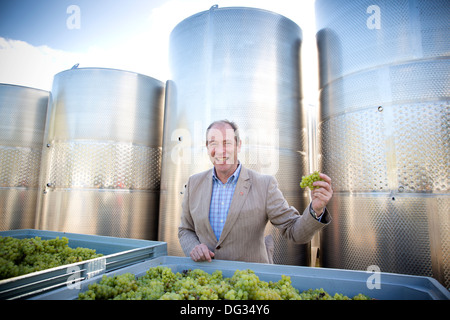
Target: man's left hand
column 322, row 195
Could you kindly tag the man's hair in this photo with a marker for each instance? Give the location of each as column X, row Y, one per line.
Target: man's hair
column 231, row 123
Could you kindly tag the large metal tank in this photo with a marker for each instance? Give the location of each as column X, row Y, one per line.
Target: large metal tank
column 102, row 154
column 384, row 134
column 23, row 112
column 240, row 64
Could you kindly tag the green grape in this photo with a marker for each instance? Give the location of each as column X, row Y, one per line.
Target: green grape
column 171, row 296
column 267, row 294
column 361, row 297
column 22, row 256
column 161, row 283
column 307, row 181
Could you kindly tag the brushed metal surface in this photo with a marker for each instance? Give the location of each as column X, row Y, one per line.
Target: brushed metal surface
column 358, row 35
column 102, row 154
column 23, row 112
column 383, row 134
column 240, row 64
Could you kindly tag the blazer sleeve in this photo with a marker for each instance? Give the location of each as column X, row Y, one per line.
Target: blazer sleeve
column 186, row 231
column 295, row 227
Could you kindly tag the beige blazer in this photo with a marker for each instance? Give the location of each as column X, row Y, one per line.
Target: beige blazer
column 256, row 201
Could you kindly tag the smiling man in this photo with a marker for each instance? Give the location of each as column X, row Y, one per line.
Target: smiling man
column 224, row 144
column 226, row 209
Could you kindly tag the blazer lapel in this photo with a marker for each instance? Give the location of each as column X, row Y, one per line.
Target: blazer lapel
column 239, row 197
column 206, row 193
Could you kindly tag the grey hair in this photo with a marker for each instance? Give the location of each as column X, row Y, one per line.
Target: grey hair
column 231, row 123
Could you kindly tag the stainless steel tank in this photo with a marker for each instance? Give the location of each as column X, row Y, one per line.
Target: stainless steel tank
column 22, row 122
column 384, row 134
column 102, row 154
column 240, row 64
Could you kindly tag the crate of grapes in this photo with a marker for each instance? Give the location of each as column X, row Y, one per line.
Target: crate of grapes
column 36, row 261
column 168, row 277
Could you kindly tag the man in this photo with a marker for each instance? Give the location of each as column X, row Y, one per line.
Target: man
column 226, row 209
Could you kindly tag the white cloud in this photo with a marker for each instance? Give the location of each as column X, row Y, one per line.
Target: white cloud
column 24, row 64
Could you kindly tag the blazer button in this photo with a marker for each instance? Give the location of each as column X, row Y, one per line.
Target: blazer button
column 218, row 247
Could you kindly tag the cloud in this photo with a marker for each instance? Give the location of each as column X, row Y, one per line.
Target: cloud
column 35, row 66
column 24, row 64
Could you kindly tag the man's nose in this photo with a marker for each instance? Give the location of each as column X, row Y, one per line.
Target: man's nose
column 220, row 149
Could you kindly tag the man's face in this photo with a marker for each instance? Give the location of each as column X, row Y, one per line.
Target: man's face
column 222, row 147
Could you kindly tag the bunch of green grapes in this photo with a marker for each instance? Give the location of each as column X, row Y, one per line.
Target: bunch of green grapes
column 161, row 283
column 285, row 289
column 22, row 256
column 307, row 181
column 245, row 285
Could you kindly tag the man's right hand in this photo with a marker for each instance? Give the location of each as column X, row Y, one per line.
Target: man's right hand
column 201, row 253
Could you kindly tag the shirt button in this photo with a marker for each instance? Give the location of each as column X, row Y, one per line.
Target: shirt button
column 223, row 203
column 218, row 247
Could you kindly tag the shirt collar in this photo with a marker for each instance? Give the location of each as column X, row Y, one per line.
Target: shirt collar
column 233, row 177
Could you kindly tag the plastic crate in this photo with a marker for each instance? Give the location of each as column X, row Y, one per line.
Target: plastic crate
column 347, row 282
column 117, row 253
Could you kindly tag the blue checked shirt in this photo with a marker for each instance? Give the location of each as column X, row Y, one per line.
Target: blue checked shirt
column 222, row 194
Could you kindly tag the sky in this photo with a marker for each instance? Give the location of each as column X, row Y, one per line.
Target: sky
column 40, row 38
